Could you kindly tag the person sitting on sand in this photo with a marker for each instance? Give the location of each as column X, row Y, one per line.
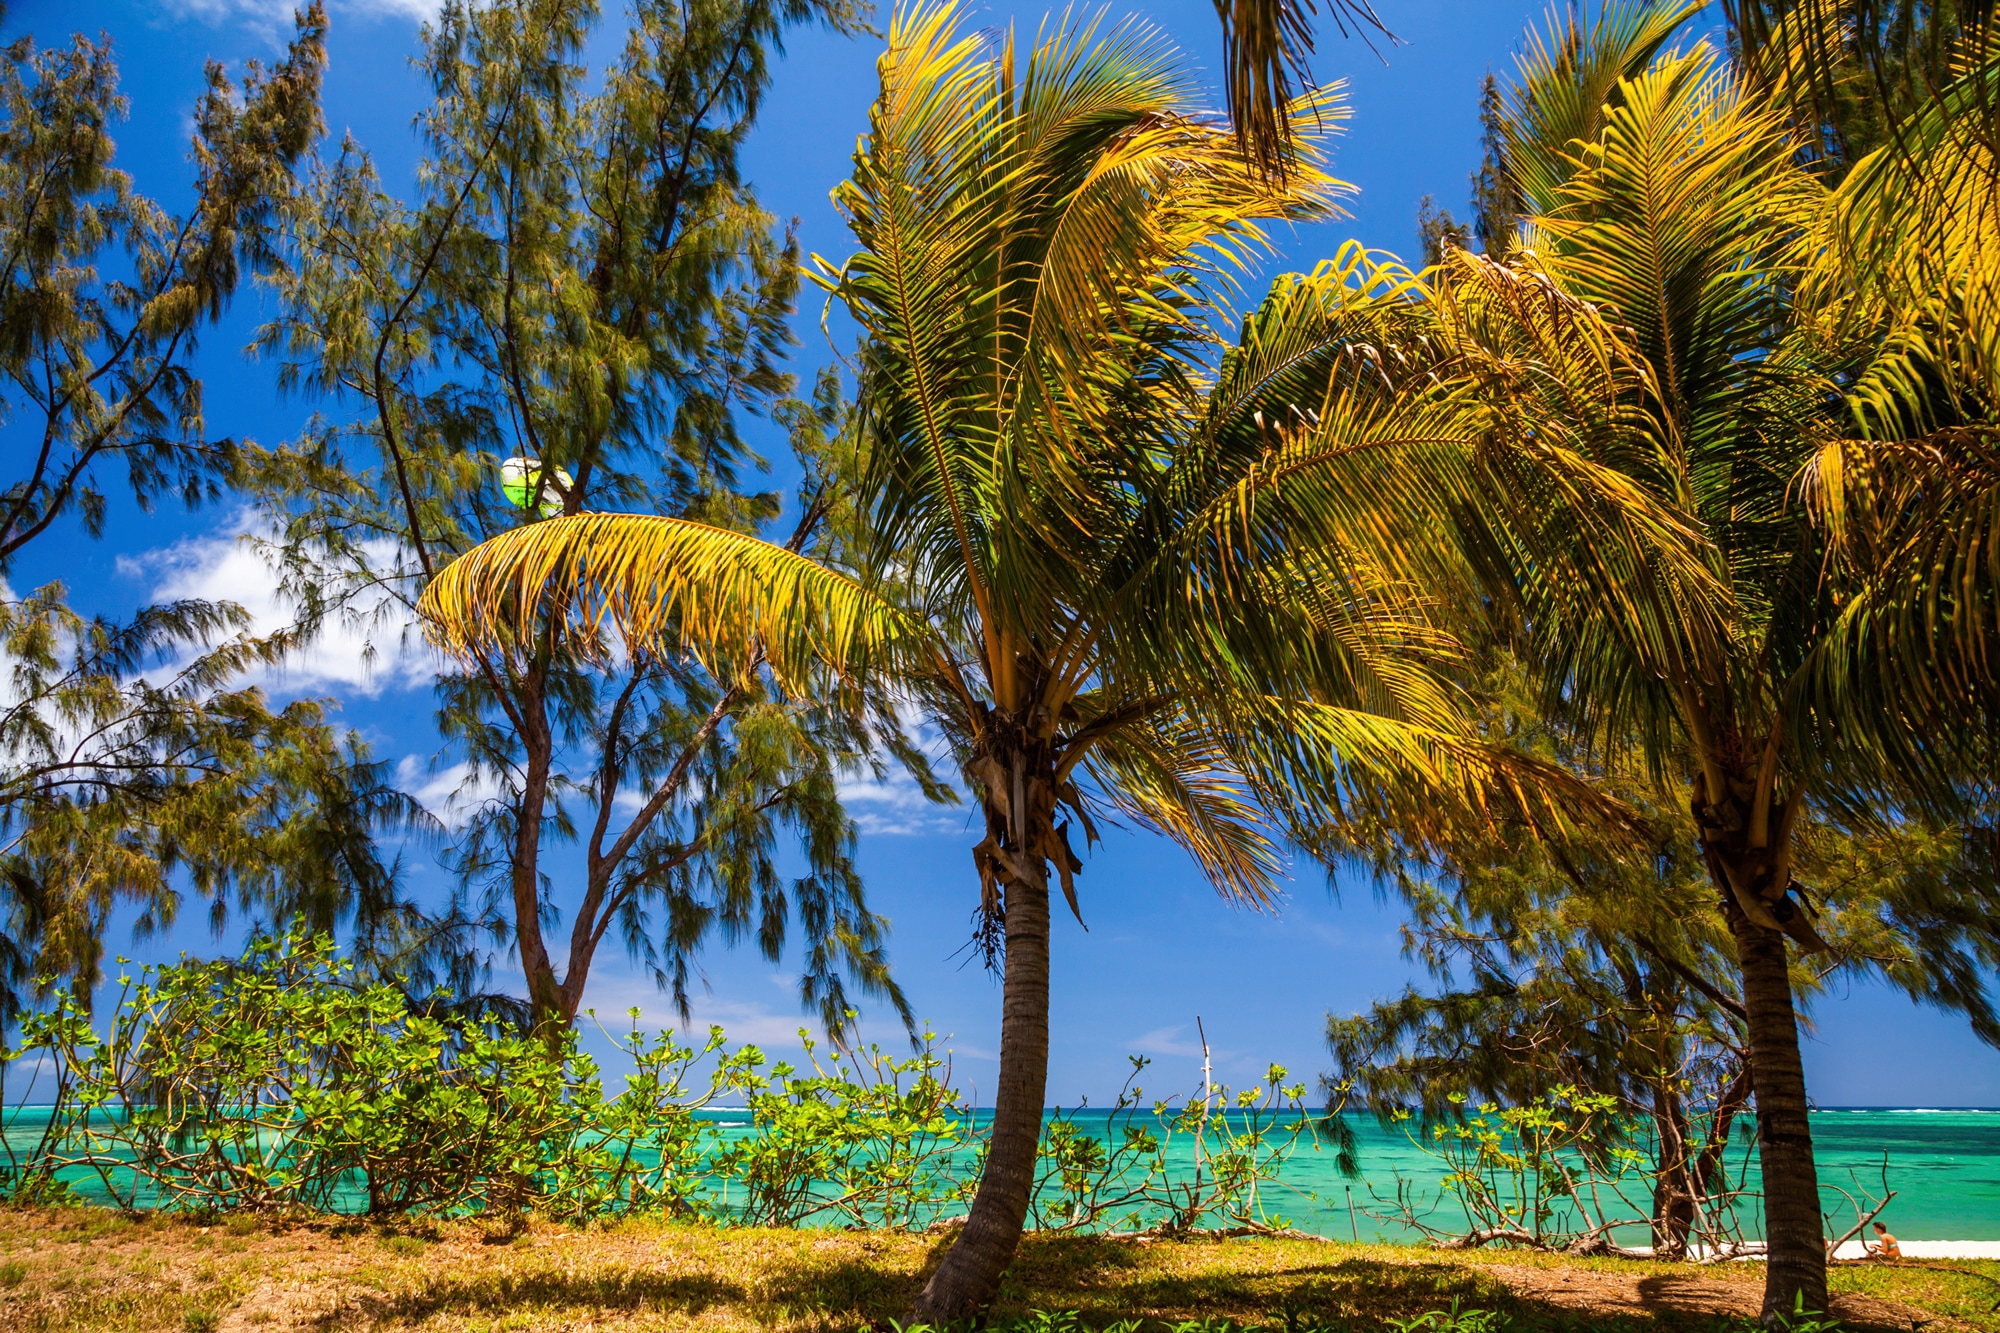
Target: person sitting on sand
column 1885, row 1246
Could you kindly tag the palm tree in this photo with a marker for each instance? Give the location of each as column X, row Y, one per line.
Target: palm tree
column 1666, row 195
column 1128, row 573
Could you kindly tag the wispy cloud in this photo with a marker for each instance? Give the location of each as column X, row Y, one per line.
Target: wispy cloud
column 742, row 1021
column 374, row 646
column 1176, row 1040
column 894, row 805
column 272, row 19
column 451, row 793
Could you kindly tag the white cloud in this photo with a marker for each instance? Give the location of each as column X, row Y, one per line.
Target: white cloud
column 895, row 805
column 1167, row 1041
column 374, row 645
column 745, row 1022
column 451, row 793
column 272, row 19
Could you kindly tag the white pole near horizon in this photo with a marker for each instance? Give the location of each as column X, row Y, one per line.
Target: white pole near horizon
column 1201, row 1129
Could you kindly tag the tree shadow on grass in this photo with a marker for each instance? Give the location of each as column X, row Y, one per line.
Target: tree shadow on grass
column 553, row 1289
column 833, row 1287
column 1108, row 1280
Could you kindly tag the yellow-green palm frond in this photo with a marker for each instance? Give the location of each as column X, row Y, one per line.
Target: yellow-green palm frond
column 1909, row 672
column 1568, row 77
column 1682, row 219
column 1168, row 774
column 1370, row 636
column 1683, row 225
column 1359, row 304
column 923, row 186
column 1042, row 237
column 1265, row 44
column 1328, row 456
column 1345, row 768
column 1580, row 479
column 1908, row 261
column 1166, row 200
column 666, row 585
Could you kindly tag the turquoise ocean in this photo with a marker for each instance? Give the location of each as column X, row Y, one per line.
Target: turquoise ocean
column 1943, row 1164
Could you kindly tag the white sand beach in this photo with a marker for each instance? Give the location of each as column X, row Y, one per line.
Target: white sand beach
column 1930, row 1249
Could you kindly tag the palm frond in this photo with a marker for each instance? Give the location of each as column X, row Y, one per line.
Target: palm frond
column 1265, row 48
column 1581, row 509
column 1569, row 77
column 1680, row 224
column 1909, row 672
column 1042, row 239
column 666, row 585
column 1908, row 262
column 1348, row 769
column 1168, row 775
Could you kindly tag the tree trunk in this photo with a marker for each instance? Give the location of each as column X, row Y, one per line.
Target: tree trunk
column 545, row 1000
column 1673, row 1185
column 1711, row 1169
column 966, row 1281
column 1795, row 1273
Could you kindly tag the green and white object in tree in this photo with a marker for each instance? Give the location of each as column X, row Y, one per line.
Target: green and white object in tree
column 517, row 483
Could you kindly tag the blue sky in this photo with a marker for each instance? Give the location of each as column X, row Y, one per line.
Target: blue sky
column 1161, row 949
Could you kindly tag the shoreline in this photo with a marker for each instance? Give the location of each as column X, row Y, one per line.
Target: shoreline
column 1930, row 1249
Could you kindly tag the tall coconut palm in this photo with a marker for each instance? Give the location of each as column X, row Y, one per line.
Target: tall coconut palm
column 1127, row 572
column 1670, row 198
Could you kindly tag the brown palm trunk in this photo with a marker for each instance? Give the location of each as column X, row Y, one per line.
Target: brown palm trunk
column 1795, row 1273
column 965, row 1283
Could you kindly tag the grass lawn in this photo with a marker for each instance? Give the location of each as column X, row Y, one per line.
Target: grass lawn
column 86, row 1269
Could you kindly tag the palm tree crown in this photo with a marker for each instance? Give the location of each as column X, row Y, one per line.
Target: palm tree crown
column 1130, row 570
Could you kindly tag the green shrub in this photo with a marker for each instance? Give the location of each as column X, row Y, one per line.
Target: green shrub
column 278, row 1081
column 864, row 1140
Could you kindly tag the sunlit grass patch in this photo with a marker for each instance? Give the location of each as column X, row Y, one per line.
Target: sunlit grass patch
column 1963, row 1289
column 79, row 1269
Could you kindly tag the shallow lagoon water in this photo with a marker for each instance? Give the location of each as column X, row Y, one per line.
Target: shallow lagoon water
column 1944, row 1165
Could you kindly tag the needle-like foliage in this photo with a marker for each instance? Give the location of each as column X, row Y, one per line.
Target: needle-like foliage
column 134, row 765
column 585, row 301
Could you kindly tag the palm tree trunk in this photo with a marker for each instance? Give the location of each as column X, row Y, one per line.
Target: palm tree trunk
column 965, row 1283
column 1795, row 1273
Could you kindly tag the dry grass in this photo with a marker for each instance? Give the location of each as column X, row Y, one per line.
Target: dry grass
column 83, row 1269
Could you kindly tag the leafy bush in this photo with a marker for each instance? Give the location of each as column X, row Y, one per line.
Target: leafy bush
column 1557, row 1172
column 279, row 1081
column 1239, row 1142
column 275, row 1081
column 865, row 1139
